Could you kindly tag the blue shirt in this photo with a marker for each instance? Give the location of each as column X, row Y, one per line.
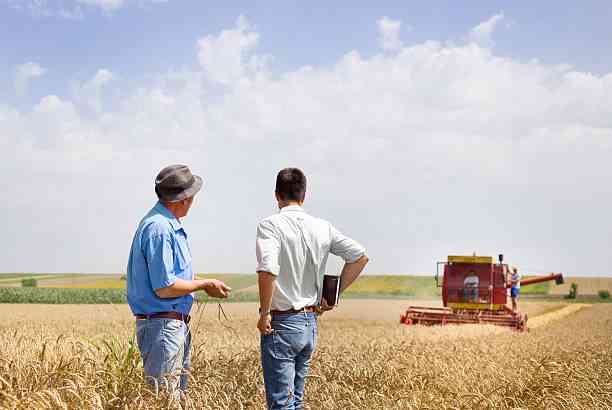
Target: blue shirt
column 160, row 254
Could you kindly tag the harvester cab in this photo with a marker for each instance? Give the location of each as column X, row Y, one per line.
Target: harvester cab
column 473, row 283
column 474, row 290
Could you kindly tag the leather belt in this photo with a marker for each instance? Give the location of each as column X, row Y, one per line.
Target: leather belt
column 166, row 315
column 306, row 309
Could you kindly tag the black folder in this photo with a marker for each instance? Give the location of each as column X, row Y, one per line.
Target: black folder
column 331, row 289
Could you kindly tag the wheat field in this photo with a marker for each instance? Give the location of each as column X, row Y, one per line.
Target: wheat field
column 83, row 357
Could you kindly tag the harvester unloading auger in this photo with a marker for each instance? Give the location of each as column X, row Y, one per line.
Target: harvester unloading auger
column 474, row 290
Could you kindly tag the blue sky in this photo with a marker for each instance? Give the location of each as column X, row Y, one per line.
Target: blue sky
column 426, row 129
column 141, row 39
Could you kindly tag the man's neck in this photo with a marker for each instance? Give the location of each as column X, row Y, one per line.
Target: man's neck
column 171, row 207
column 284, row 204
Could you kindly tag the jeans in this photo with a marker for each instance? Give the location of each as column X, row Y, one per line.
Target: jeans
column 470, row 294
column 164, row 346
column 285, row 358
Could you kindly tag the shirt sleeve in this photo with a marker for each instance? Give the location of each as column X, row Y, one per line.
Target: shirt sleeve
column 267, row 248
column 159, row 254
column 343, row 246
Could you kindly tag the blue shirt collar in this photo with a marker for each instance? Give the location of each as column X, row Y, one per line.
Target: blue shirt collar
column 174, row 222
column 296, row 208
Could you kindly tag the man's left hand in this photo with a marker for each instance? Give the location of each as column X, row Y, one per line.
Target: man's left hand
column 216, row 288
column 324, row 306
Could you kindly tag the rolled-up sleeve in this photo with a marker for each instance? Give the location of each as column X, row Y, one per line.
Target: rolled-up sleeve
column 159, row 254
column 343, row 246
column 267, row 248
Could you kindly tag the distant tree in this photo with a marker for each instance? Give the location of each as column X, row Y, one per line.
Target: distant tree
column 123, row 277
column 604, row 294
column 29, row 283
column 573, row 292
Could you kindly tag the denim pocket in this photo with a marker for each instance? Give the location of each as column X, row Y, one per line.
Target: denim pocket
column 286, row 345
column 287, row 339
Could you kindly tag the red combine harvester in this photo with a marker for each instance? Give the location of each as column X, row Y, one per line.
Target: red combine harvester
column 474, row 290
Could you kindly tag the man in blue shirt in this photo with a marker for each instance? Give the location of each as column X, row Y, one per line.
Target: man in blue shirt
column 161, row 282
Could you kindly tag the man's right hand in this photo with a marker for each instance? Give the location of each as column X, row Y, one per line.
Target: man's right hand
column 216, row 288
column 264, row 324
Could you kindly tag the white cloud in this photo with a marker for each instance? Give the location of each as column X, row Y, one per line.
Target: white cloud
column 24, row 73
column 90, row 92
column 106, row 5
column 436, row 149
column 389, row 31
column 228, row 57
column 481, row 34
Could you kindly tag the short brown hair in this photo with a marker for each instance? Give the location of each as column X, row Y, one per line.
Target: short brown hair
column 291, row 184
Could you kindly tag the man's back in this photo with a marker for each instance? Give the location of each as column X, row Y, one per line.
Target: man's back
column 292, row 250
column 295, row 246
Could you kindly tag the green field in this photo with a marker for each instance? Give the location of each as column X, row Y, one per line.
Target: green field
column 62, row 296
column 394, row 285
column 110, row 288
column 542, row 288
column 235, row 281
column 108, row 281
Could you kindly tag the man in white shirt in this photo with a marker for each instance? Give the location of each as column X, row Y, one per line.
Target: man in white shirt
column 292, row 249
column 515, row 288
column 470, row 287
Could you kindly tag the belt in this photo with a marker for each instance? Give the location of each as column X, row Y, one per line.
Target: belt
column 166, row 315
column 306, row 309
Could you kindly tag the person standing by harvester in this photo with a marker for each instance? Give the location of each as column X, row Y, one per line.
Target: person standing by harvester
column 161, row 282
column 515, row 287
column 292, row 249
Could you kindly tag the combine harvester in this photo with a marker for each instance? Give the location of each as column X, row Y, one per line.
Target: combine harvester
column 474, row 290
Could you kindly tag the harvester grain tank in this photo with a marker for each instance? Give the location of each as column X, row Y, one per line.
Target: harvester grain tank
column 474, row 290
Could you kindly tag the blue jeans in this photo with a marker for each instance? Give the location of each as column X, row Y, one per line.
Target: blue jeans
column 285, row 358
column 470, row 294
column 164, row 346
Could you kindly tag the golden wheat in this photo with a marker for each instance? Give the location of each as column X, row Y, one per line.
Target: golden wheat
column 67, row 357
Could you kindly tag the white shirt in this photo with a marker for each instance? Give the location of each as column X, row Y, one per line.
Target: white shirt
column 471, row 281
column 294, row 246
column 516, row 277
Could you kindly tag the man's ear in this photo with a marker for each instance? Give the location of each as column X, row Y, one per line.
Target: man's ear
column 185, row 202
